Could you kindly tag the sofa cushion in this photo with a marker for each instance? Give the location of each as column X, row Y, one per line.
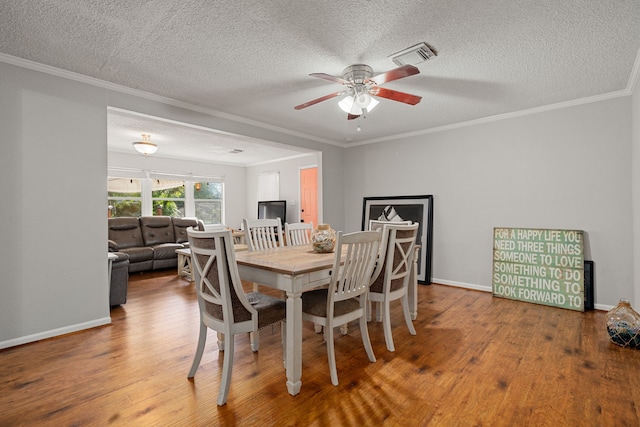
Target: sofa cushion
column 180, row 226
column 165, row 263
column 138, row 254
column 166, row 250
column 157, row 230
column 140, row 266
column 126, row 232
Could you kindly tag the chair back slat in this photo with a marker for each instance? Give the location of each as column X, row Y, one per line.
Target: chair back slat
column 396, row 256
column 263, row 234
column 352, row 278
column 298, row 233
column 375, row 224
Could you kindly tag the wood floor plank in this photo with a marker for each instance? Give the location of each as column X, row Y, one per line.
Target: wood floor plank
column 476, row 360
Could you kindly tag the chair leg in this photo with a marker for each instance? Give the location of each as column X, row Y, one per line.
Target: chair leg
column 407, row 315
column 317, row 328
column 202, row 339
column 255, row 340
column 220, row 341
column 369, row 304
column 344, row 329
column 379, row 312
column 331, row 353
column 364, row 332
column 255, row 287
column 227, row 368
column 386, row 324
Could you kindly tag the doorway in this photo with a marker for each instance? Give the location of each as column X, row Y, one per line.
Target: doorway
column 309, row 195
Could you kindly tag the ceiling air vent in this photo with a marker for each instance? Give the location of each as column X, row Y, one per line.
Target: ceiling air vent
column 413, row 55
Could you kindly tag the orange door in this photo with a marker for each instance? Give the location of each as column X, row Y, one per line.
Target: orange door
column 309, row 195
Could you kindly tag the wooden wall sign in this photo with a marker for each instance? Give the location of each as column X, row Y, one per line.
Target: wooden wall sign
column 541, row 266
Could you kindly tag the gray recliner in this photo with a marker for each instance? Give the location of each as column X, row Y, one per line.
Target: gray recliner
column 119, row 279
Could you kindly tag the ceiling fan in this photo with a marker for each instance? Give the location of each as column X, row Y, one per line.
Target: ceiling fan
column 362, row 87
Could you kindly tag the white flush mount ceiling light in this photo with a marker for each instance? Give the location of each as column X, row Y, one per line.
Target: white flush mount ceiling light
column 145, row 146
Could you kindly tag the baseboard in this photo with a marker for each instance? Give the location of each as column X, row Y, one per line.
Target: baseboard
column 55, row 332
column 482, row 288
column 462, row 285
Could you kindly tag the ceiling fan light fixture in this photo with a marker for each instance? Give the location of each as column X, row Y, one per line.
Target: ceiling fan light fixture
column 366, row 101
column 145, row 146
column 362, row 100
column 355, row 104
column 346, row 104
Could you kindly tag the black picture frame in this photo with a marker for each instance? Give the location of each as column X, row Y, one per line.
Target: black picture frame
column 415, row 208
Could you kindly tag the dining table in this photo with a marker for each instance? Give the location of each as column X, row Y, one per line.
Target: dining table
column 294, row 270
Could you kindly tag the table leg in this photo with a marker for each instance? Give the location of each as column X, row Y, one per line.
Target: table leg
column 294, row 342
column 184, row 266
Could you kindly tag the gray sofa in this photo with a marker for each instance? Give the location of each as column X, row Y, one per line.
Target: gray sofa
column 150, row 242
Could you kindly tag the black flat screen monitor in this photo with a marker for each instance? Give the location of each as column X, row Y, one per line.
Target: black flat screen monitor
column 273, row 209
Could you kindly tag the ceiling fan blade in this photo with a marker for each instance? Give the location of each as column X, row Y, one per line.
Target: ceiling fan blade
column 395, row 95
column 395, row 74
column 315, row 101
column 330, row 78
column 352, row 116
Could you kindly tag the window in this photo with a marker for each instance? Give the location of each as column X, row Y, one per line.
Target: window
column 124, row 197
column 207, row 198
column 134, row 192
column 168, row 198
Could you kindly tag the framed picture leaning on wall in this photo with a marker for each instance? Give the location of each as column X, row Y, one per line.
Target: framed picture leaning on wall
column 401, row 208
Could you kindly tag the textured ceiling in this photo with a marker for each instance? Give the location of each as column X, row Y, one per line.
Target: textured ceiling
column 251, row 58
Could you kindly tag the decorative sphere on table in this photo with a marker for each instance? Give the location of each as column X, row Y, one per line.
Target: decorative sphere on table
column 323, row 239
column 623, row 325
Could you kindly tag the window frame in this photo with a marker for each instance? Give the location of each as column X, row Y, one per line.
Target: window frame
column 146, row 180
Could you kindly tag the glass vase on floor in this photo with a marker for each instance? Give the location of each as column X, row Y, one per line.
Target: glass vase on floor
column 623, row 325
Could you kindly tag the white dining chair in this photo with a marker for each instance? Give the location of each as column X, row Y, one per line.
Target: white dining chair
column 375, row 224
column 298, row 233
column 345, row 298
column 223, row 304
column 390, row 279
column 263, row 234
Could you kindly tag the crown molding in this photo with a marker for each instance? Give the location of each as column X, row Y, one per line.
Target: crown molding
column 631, row 84
column 47, row 69
column 498, row 117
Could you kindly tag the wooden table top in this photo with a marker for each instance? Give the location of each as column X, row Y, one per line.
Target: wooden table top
column 291, row 260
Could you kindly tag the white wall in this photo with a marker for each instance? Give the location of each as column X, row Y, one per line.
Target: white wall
column 567, row 169
column 289, row 184
column 53, row 226
column 53, row 135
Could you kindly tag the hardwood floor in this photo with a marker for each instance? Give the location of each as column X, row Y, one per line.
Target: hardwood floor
column 476, row 360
